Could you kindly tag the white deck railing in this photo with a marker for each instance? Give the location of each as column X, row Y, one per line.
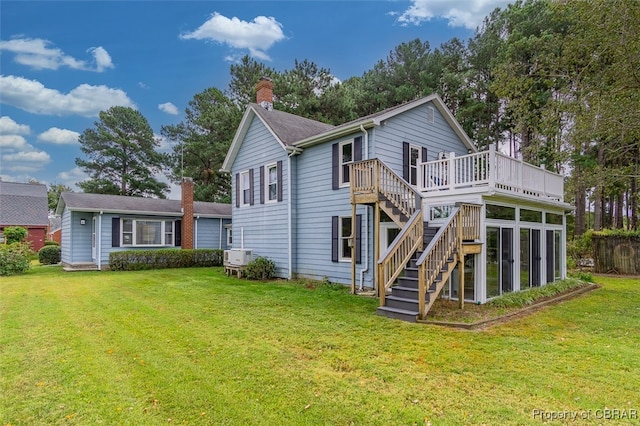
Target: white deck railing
column 493, row 170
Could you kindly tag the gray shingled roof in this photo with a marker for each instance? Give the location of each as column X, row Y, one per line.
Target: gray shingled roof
column 80, row 201
column 24, row 204
column 290, row 128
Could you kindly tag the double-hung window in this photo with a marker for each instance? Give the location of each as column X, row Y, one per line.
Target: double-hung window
column 344, row 236
column 346, row 158
column 147, row 232
column 245, row 188
column 271, row 183
column 414, row 159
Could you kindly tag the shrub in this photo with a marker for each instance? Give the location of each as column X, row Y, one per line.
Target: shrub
column 14, row 258
column 49, row 255
column 15, row 234
column 579, row 248
column 260, row 268
column 531, row 295
column 136, row 260
column 51, row 243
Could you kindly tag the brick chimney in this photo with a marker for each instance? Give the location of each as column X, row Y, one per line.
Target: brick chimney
column 264, row 93
column 187, row 213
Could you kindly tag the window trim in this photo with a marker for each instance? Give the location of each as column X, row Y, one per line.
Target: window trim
column 342, row 239
column 267, row 183
column 341, row 163
column 229, row 236
column 243, row 189
column 134, row 230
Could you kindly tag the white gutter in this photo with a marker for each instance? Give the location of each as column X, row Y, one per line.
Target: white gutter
column 366, row 216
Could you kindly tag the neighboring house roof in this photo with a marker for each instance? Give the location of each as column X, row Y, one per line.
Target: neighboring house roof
column 84, row 202
column 295, row 133
column 23, row 204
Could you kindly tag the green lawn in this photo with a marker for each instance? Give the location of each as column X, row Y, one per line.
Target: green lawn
column 192, row 346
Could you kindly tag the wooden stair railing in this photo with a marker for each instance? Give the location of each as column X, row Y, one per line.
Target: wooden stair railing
column 436, row 263
column 372, row 180
column 393, row 261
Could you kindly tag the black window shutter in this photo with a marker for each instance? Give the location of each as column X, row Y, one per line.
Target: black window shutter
column 424, row 154
column 250, row 187
column 358, row 238
column 334, row 238
column 262, row 189
column 405, row 161
column 237, row 189
column 279, row 168
column 335, row 166
column 357, row 149
column 178, row 226
column 115, row 232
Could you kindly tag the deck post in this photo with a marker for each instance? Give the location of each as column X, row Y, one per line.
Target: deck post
column 493, row 166
column 352, row 240
column 452, row 171
column 461, row 213
column 376, row 247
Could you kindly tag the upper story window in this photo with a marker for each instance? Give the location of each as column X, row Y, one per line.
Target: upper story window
column 414, row 159
column 245, row 188
column 147, row 232
column 346, row 158
column 272, row 183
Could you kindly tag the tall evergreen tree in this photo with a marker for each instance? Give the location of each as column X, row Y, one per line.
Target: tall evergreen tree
column 122, row 156
column 201, row 143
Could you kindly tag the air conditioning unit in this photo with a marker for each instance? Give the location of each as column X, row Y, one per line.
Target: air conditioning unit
column 237, row 257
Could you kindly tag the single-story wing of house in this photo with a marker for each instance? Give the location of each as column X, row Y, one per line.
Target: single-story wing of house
column 94, row 225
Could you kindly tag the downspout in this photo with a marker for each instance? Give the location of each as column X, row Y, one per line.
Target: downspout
column 366, row 217
column 293, row 151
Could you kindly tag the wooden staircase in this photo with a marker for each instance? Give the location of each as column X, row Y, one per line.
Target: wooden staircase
column 403, row 302
column 418, row 263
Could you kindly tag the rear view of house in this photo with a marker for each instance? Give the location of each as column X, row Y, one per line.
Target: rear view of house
column 399, row 201
column 25, row 205
column 94, row 225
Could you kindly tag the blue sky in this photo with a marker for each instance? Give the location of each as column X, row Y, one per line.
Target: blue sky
column 61, row 63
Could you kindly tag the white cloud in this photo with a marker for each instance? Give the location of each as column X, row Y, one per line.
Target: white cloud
column 102, row 58
column 59, row 136
column 71, row 177
column 23, row 159
column 16, row 155
column 8, row 126
column 169, row 108
column 459, row 13
column 13, row 142
column 257, row 36
column 84, row 100
column 37, row 53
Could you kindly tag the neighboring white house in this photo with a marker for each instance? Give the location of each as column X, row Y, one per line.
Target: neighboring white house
column 353, row 203
column 94, row 225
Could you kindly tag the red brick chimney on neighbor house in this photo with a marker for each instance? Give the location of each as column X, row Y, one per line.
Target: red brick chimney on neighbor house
column 187, row 213
column 264, row 93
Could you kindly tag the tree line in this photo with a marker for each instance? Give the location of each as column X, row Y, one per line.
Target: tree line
column 552, row 82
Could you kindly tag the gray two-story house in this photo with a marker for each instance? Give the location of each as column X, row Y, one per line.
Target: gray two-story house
column 399, row 202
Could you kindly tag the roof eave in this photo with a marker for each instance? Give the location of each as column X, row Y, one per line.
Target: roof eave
column 335, row 133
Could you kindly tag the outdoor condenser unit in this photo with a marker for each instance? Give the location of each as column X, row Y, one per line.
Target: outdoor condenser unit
column 237, row 257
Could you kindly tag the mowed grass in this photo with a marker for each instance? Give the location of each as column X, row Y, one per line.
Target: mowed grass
column 192, row 346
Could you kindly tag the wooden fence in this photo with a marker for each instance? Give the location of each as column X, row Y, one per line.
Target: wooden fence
column 616, row 254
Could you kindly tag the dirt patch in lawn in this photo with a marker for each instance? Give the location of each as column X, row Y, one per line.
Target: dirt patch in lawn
column 447, row 313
